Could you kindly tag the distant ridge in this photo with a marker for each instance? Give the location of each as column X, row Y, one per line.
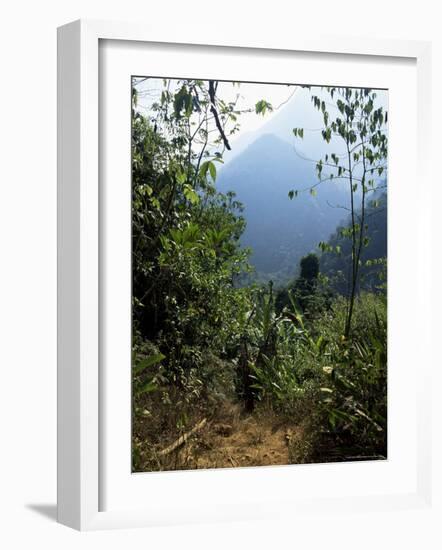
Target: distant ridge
column 279, row 230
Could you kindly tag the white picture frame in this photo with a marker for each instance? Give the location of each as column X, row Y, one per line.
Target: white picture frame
column 80, row 437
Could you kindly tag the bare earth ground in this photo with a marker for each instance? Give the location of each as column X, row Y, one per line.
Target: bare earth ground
column 237, row 440
column 231, row 439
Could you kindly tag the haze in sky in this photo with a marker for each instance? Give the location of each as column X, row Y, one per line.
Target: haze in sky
column 266, row 161
column 292, row 107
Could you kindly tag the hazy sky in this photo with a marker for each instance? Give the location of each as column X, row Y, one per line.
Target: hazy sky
column 248, row 95
column 292, row 108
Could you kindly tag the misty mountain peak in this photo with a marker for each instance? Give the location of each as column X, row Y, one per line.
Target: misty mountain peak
column 280, row 230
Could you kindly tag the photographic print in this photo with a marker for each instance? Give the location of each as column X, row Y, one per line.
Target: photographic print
column 259, row 274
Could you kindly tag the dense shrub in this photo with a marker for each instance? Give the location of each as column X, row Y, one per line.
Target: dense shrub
column 203, row 343
column 338, row 384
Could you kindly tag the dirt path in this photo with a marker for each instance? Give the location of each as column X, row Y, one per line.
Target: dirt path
column 240, row 441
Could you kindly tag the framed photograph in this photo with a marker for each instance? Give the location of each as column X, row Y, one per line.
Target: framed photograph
column 238, row 275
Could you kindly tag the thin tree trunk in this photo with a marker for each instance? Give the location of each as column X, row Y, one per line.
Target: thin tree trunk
column 351, row 298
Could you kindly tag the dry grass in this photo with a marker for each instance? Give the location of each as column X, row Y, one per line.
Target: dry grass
column 231, row 439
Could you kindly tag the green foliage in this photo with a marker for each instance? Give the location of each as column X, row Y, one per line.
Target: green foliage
column 309, row 267
column 185, row 246
column 200, row 340
column 185, row 235
column 336, row 257
column 147, row 369
column 361, row 129
column 315, row 363
column 262, row 107
column 208, row 167
column 307, row 290
column 355, row 389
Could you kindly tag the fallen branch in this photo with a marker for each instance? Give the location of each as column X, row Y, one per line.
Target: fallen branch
column 183, row 438
column 233, row 462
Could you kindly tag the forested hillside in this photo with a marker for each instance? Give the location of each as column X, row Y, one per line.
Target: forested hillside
column 230, row 369
column 280, row 232
column 374, row 268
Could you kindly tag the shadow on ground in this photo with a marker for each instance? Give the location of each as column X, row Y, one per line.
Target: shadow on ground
column 49, row 511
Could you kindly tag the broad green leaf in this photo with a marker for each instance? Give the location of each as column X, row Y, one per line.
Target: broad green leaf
column 148, row 362
column 212, row 170
column 148, row 387
column 190, row 194
column 262, row 106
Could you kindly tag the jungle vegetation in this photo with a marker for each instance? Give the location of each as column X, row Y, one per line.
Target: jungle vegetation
column 229, row 369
